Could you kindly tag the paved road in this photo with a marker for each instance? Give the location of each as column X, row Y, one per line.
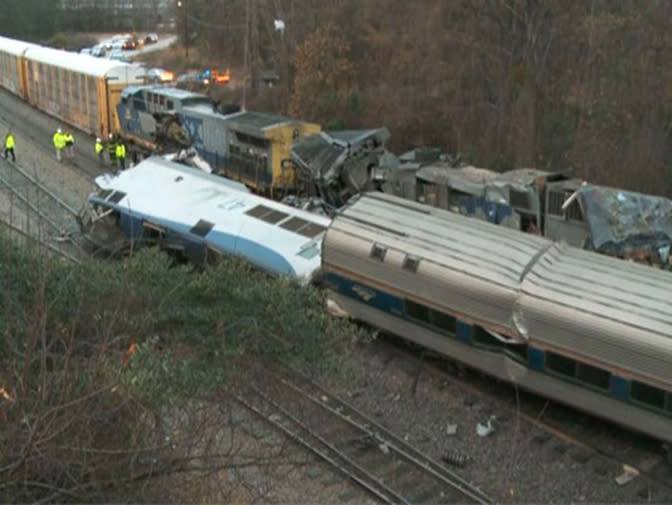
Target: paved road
column 163, row 43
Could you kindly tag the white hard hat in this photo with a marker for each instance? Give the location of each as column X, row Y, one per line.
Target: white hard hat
column 59, row 130
column 97, row 139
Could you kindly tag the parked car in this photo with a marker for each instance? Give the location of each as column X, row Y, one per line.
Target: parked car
column 117, row 54
column 129, row 44
column 99, row 50
column 160, row 75
column 151, row 38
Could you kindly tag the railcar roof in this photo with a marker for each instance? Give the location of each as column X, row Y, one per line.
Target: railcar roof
column 169, row 91
column 261, row 121
column 179, row 197
column 455, row 241
column 610, row 288
column 585, row 282
column 86, row 64
column 15, row 47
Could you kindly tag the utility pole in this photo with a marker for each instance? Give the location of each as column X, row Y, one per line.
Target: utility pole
column 182, row 5
column 246, row 49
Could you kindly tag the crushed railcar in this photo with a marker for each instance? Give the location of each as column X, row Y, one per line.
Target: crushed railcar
column 336, row 165
column 577, row 327
column 199, row 217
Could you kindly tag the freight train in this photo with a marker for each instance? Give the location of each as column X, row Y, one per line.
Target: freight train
column 101, row 96
column 79, row 89
column 583, row 329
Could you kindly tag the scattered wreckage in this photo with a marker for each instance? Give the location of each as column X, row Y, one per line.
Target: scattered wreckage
column 623, row 224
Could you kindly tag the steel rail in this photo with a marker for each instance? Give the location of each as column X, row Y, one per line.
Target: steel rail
column 320, row 453
column 398, row 445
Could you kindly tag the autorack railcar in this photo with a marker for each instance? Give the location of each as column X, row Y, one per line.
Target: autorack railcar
column 12, row 67
column 79, row 89
column 587, row 330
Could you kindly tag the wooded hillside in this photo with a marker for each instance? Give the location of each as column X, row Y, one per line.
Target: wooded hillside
column 583, row 87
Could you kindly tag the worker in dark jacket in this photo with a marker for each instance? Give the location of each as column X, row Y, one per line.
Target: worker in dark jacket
column 9, row 145
column 112, row 149
column 69, row 145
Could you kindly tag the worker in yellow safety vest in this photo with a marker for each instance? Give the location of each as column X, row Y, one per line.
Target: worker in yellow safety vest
column 69, row 144
column 112, row 149
column 9, row 145
column 59, row 143
column 98, row 149
column 121, row 155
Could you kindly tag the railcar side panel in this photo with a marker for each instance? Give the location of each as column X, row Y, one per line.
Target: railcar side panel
column 10, row 72
column 500, row 362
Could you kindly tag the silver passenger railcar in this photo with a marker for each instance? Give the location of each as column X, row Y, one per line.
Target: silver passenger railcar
column 586, row 330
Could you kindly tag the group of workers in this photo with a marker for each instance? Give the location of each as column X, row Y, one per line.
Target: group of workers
column 64, row 143
column 116, row 150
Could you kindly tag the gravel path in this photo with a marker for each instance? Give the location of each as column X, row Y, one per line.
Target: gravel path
column 517, row 463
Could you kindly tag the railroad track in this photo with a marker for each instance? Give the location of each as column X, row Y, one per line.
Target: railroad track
column 371, row 456
column 585, row 435
column 35, row 212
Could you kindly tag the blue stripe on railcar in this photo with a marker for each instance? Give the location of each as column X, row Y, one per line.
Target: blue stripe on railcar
column 371, row 296
column 536, row 359
column 179, row 234
column 464, row 332
column 619, row 387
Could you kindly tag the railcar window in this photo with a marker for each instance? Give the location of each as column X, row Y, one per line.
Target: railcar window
column 519, row 199
column 411, row 263
column 275, row 216
column 117, row 196
column 560, row 364
column 555, row 201
column 162, row 100
column 378, row 252
column 311, row 230
column 170, row 104
column 202, row 228
column 650, row 395
column 593, row 375
column 417, row 311
column 574, row 211
column 481, row 336
column 519, row 351
column 138, row 103
column 294, row 224
column 258, row 211
column 268, row 214
column 444, row 322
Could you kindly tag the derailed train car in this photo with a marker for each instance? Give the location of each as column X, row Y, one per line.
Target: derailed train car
column 247, row 146
column 580, row 328
column 610, row 221
column 199, row 217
